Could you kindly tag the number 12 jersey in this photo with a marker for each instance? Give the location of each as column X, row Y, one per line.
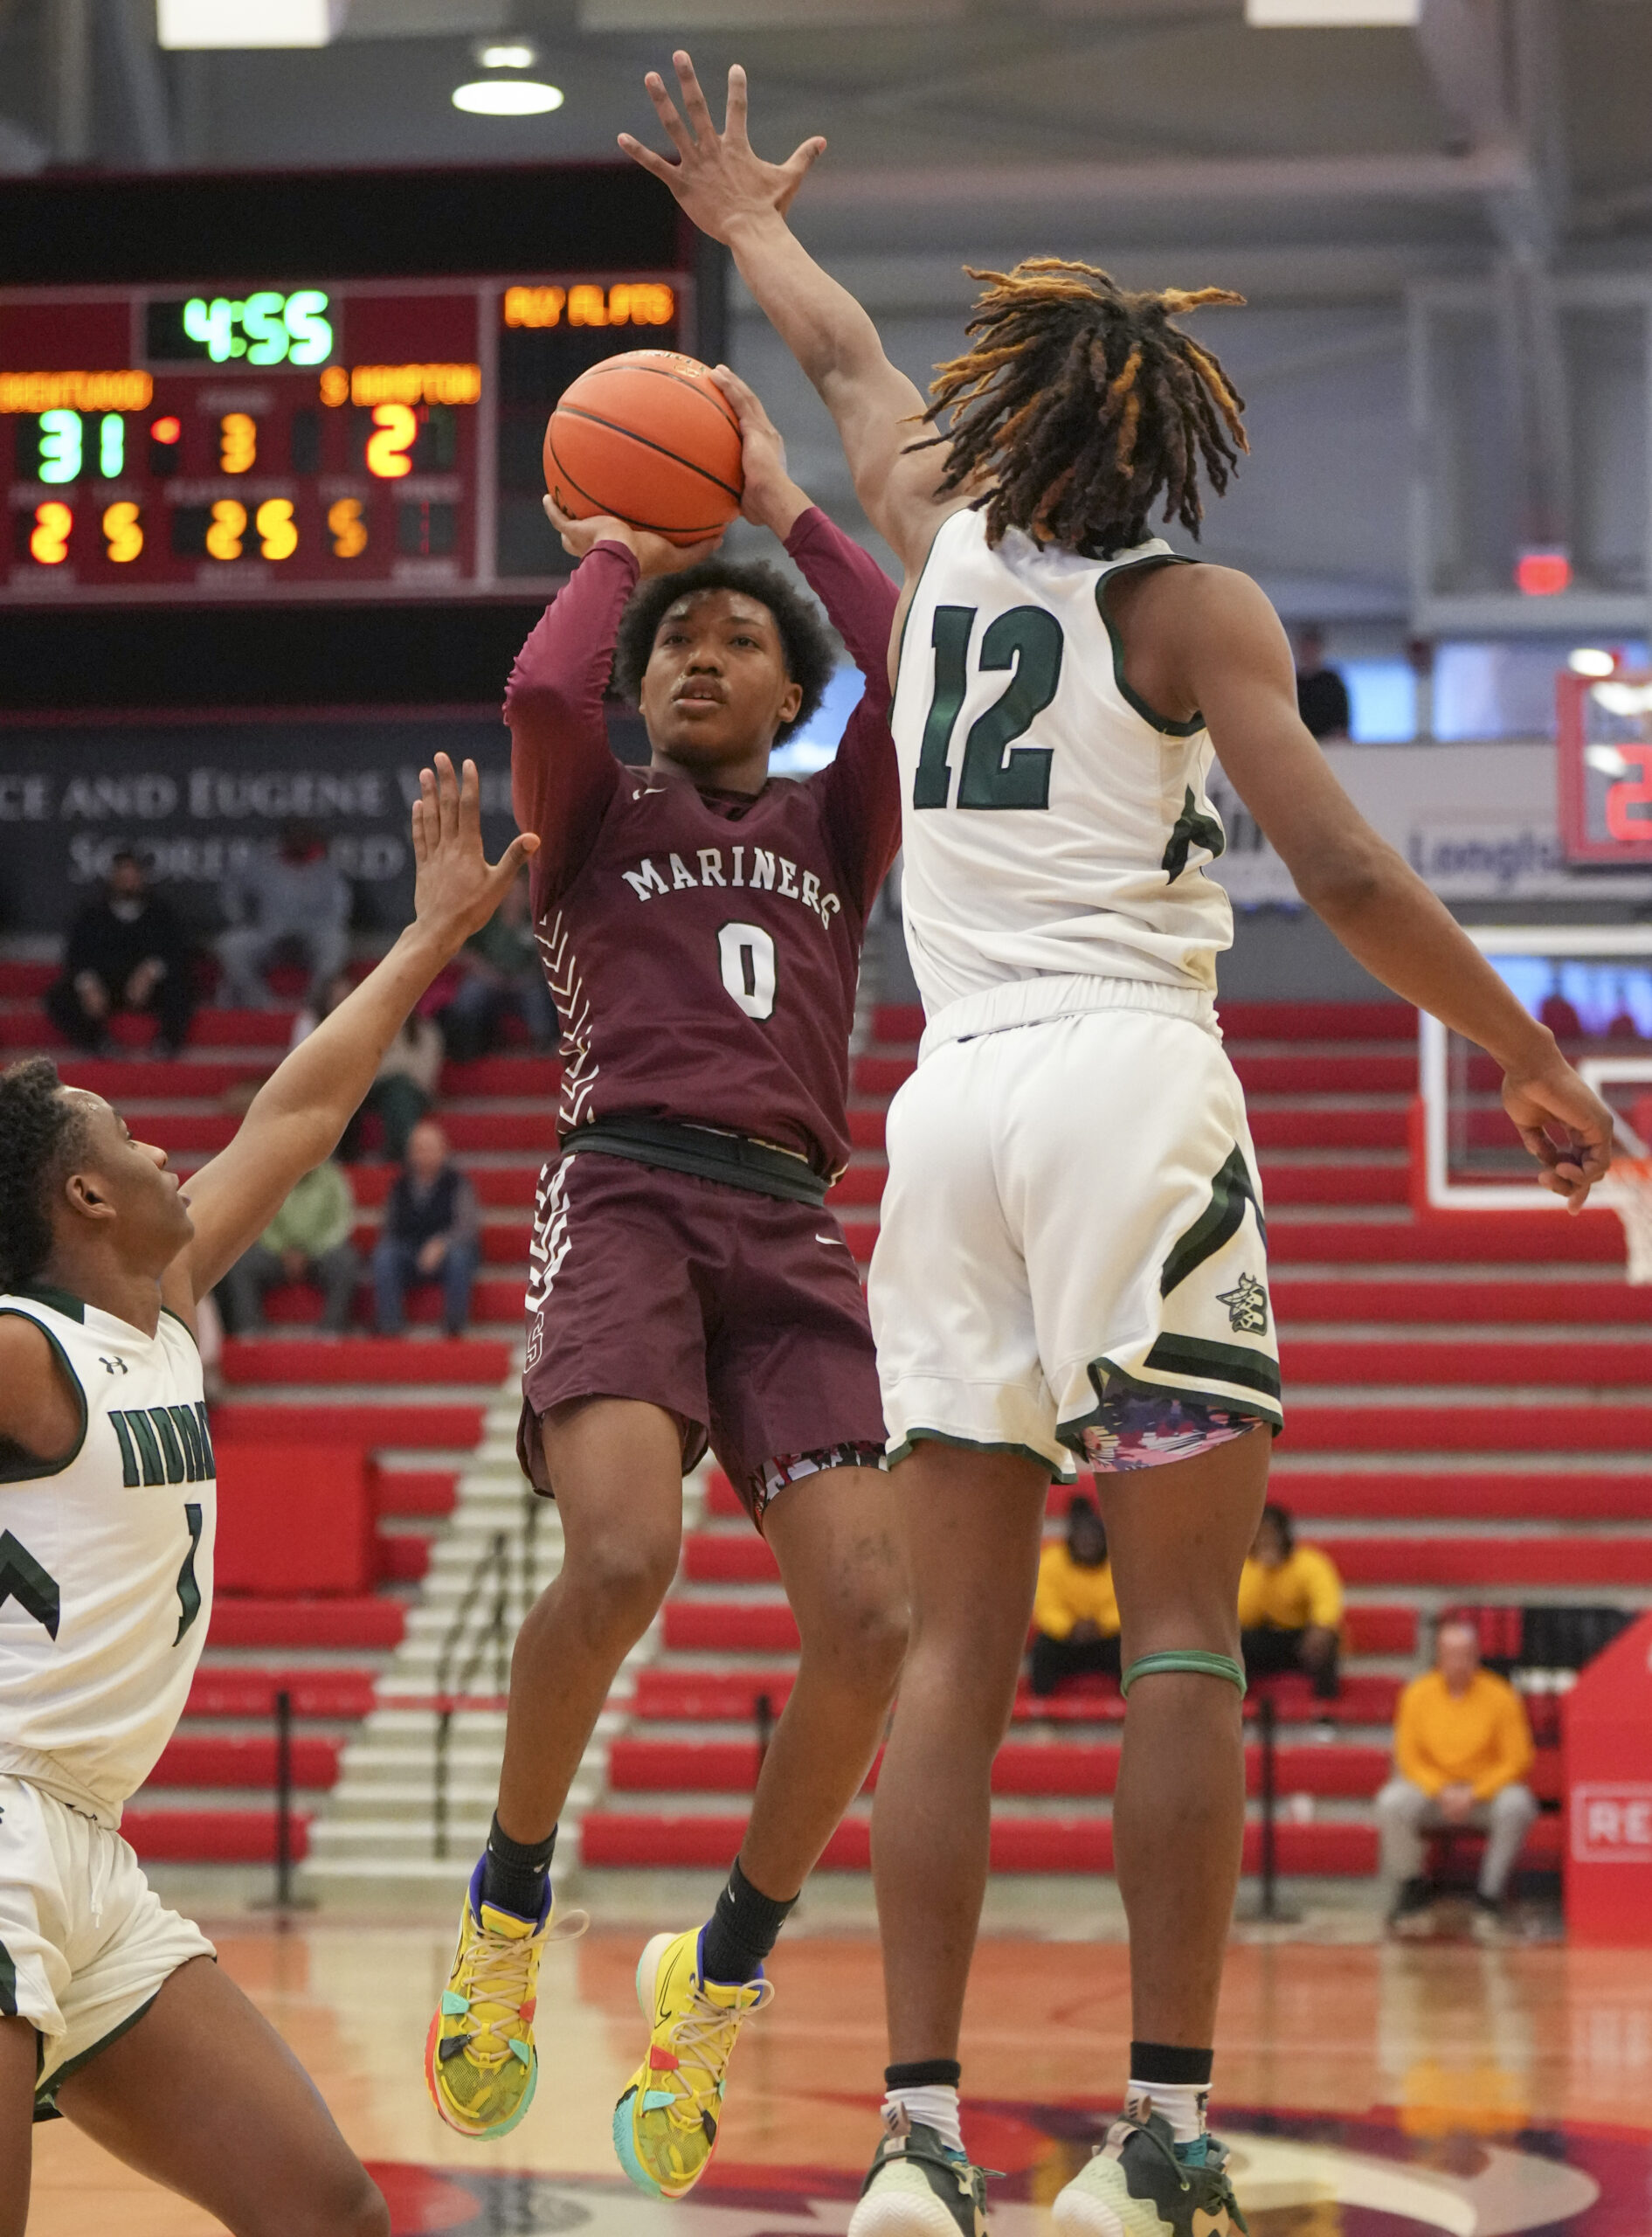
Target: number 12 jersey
column 1055, row 826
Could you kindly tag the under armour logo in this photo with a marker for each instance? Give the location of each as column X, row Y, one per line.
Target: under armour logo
column 112, row 1367
column 1247, row 1303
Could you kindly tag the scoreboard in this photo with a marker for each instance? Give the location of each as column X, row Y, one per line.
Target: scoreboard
column 301, row 439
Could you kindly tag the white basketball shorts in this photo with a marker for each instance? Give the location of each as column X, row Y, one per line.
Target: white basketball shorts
column 85, row 1944
column 1073, row 1257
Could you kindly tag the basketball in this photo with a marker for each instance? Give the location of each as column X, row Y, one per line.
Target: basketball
column 650, row 438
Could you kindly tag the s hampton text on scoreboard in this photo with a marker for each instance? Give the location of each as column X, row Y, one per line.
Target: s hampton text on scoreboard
column 359, row 439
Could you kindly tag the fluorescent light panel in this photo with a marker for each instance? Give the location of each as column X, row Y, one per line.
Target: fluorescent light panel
column 507, row 97
column 1338, row 15
column 248, row 23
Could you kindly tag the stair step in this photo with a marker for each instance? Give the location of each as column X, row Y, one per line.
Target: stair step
column 353, row 1623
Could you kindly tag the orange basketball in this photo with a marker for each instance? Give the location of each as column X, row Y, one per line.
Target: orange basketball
column 650, row 438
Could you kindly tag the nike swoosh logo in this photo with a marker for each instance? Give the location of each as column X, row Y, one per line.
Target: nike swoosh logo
column 836, row 1239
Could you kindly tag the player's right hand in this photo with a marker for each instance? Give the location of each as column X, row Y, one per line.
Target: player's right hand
column 655, row 555
column 719, row 178
column 1564, row 1124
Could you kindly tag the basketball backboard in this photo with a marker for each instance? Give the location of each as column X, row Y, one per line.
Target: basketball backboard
column 1592, row 985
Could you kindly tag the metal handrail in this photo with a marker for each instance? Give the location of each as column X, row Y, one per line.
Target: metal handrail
column 482, row 1623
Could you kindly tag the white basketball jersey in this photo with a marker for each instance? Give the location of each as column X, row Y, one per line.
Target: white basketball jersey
column 106, row 1562
column 1052, row 826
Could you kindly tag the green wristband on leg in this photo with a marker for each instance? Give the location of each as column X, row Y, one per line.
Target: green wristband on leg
column 1194, row 1660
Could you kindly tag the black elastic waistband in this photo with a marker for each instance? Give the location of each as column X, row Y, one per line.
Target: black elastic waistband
column 733, row 1159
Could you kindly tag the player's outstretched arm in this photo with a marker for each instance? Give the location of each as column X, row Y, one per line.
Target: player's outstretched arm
column 730, row 192
column 297, row 1115
column 1232, row 649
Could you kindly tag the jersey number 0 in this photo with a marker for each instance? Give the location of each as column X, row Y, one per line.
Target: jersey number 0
column 995, row 772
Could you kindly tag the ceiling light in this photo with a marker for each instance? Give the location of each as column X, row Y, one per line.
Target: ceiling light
column 1588, row 661
column 507, row 54
column 507, row 97
column 1300, row 15
column 248, row 23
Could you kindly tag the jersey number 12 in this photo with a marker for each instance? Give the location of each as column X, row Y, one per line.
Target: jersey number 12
column 995, row 772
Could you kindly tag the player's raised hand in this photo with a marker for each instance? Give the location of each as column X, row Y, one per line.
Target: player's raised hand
column 771, row 498
column 1566, row 1126
column 456, row 889
column 717, row 179
column 655, row 555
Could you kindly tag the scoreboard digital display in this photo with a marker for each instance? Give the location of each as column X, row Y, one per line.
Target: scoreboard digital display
column 311, row 441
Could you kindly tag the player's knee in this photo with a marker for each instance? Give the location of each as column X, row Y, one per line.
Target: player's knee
column 349, row 2205
column 863, row 1635
column 618, row 1580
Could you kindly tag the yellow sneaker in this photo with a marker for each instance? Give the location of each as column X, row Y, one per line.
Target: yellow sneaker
column 666, row 2123
column 480, row 2059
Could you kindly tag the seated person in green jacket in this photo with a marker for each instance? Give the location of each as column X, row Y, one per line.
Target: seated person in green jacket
column 308, row 1241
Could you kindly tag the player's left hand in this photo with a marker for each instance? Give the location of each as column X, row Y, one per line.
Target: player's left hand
column 718, row 177
column 456, row 889
column 1553, row 1100
column 771, row 498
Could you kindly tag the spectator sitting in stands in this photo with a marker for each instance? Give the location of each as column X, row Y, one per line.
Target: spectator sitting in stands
column 405, row 1084
column 288, row 902
column 126, row 951
column 430, row 1234
column 1463, row 1748
column 499, row 971
column 1290, row 1606
column 308, row 1241
column 1322, row 696
column 1075, row 1610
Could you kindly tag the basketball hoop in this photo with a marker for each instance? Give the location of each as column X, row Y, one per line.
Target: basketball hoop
column 1626, row 1190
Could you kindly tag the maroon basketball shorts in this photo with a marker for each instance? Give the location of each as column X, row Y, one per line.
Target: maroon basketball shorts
column 741, row 1314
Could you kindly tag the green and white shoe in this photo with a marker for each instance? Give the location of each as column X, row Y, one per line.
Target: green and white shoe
column 917, row 2187
column 1139, row 2184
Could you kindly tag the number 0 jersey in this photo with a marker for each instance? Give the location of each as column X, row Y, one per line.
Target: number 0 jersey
column 106, row 1560
column 1053, row 826
column 703, row 947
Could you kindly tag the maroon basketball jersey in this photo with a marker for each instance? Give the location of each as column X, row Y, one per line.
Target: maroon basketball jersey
column 703, row 946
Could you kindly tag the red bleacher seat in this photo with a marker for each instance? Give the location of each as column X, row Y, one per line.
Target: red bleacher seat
column 294, row 1517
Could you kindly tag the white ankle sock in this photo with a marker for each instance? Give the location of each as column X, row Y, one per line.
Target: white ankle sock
column 1182, row 2104
column 936, row 2106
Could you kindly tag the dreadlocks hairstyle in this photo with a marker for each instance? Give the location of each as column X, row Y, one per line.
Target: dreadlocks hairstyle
column 40, row 1134
column 1083, row 406
column 805, row 640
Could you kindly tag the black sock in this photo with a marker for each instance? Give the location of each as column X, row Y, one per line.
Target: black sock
column 741, row 1931
column 923, row 2074
column 515, row 1872
column 1171, row 2065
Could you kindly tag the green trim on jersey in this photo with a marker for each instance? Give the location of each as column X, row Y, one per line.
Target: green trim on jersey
column 914, row 1437
column 1217, row 1224
column 1155, row 721
column 45, row 2095
column 44, row 1468
column 63, row 1301
column 917, row 585
column 1190, row 1355
column 183, row 1324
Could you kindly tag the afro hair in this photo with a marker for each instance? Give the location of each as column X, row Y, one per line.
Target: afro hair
column 805, row 638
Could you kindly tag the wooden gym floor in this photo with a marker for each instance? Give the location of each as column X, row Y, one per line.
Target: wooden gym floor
column 1473, row 2091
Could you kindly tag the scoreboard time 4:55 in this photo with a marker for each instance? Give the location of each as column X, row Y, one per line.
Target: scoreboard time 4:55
column 357, row 440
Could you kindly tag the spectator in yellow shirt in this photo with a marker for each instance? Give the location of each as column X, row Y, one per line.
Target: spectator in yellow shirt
column 1290, row 1606
column 1075, row 1610
column 1463, row 1748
